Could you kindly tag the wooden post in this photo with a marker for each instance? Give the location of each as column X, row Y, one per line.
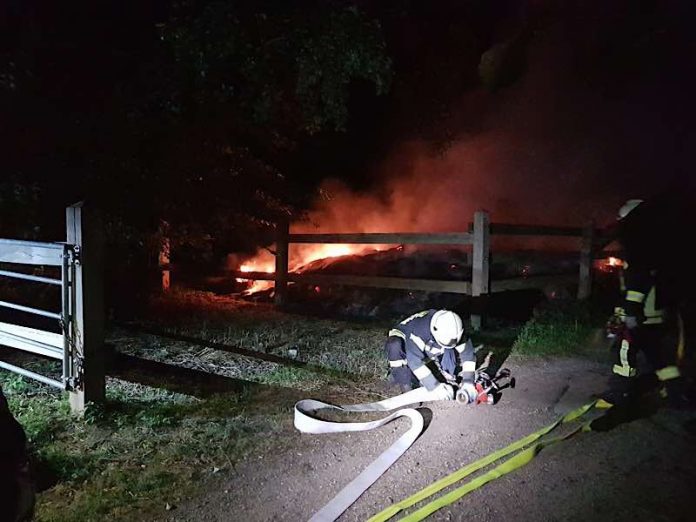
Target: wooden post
column 586, row 259
column 87, row 325
column 480, row 274
column 281, row 264
column 164, row 253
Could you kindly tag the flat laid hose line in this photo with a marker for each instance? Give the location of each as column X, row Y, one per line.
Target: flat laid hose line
column 525, row 455
column 306, row 422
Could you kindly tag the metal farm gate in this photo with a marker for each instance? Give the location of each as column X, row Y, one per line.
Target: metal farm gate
column 79, row 319
column 42, row 342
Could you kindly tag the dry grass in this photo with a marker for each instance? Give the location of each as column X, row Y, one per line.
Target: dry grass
column 350, row 348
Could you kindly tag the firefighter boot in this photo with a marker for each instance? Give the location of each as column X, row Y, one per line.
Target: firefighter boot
column 676, row 394
column 618, row 392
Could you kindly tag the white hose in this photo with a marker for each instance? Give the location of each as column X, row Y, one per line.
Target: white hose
column 307, row 422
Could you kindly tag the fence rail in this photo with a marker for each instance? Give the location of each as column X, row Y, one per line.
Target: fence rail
column 378, row 238
column 399, row 283
column 532, row 282
column 505, row 229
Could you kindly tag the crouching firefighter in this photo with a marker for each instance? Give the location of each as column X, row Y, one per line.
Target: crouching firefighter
column 425, row 350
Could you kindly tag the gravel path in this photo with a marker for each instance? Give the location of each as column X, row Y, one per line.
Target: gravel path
column 641, row 470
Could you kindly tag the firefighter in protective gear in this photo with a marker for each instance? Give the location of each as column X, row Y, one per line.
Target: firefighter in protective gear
column 425, row 349
column 648, row 318
column 17, row 492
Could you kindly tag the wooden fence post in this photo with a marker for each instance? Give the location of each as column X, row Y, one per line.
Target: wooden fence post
column 84, row 232
column 586, row 259
column 164, row 256
column 480, row 274
column 281, row 262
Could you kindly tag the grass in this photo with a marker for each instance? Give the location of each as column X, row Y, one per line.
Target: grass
column 350, row 348
column 141, row 450
column 567, row 329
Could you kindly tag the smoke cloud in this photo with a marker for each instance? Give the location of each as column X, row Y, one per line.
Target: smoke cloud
column 569, row 142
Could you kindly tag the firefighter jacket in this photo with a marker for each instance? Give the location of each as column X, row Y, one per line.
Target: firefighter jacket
column 641, row 294
column 423, row 354
column 655, row 280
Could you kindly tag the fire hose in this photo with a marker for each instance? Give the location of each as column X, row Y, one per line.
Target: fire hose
column 527, row 447
column 306, row 422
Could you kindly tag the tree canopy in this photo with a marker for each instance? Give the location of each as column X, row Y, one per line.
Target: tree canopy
column 185, row 113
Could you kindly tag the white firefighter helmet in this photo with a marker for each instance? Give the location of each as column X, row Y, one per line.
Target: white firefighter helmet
column 628, row 207
column 447, row 328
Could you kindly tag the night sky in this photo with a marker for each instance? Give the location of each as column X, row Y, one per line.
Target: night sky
column 592, row 104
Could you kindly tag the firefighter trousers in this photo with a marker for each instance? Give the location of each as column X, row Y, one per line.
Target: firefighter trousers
column 659, row 344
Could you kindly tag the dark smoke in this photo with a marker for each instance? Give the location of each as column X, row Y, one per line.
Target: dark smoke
column 599, row 116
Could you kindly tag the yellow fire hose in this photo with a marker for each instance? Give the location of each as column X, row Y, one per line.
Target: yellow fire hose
column 516, row 461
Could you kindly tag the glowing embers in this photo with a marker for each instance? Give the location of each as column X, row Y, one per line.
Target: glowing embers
column 259, row 264
column 313, row 252
column 301, row 257
column 609, row 264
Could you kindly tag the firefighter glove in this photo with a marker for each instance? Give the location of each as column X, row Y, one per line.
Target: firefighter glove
column 467, row 391
column 443, row 392
column 631, row 322
column 451, row 379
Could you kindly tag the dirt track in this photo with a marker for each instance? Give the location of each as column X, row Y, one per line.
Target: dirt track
column 639, row 470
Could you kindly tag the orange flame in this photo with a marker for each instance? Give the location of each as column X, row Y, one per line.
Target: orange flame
column 300, row 256
column 259, row 263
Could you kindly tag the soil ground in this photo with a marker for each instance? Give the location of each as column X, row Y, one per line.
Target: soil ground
column 642, row 468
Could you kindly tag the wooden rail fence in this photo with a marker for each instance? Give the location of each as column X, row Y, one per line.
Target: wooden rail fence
column 478, row 237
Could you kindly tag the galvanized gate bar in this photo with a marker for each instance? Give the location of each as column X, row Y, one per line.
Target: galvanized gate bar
column 31, row 252
column 29, row 277
column 32, row 375
column 30, row 345
column 32, row 340
column 30, row 310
